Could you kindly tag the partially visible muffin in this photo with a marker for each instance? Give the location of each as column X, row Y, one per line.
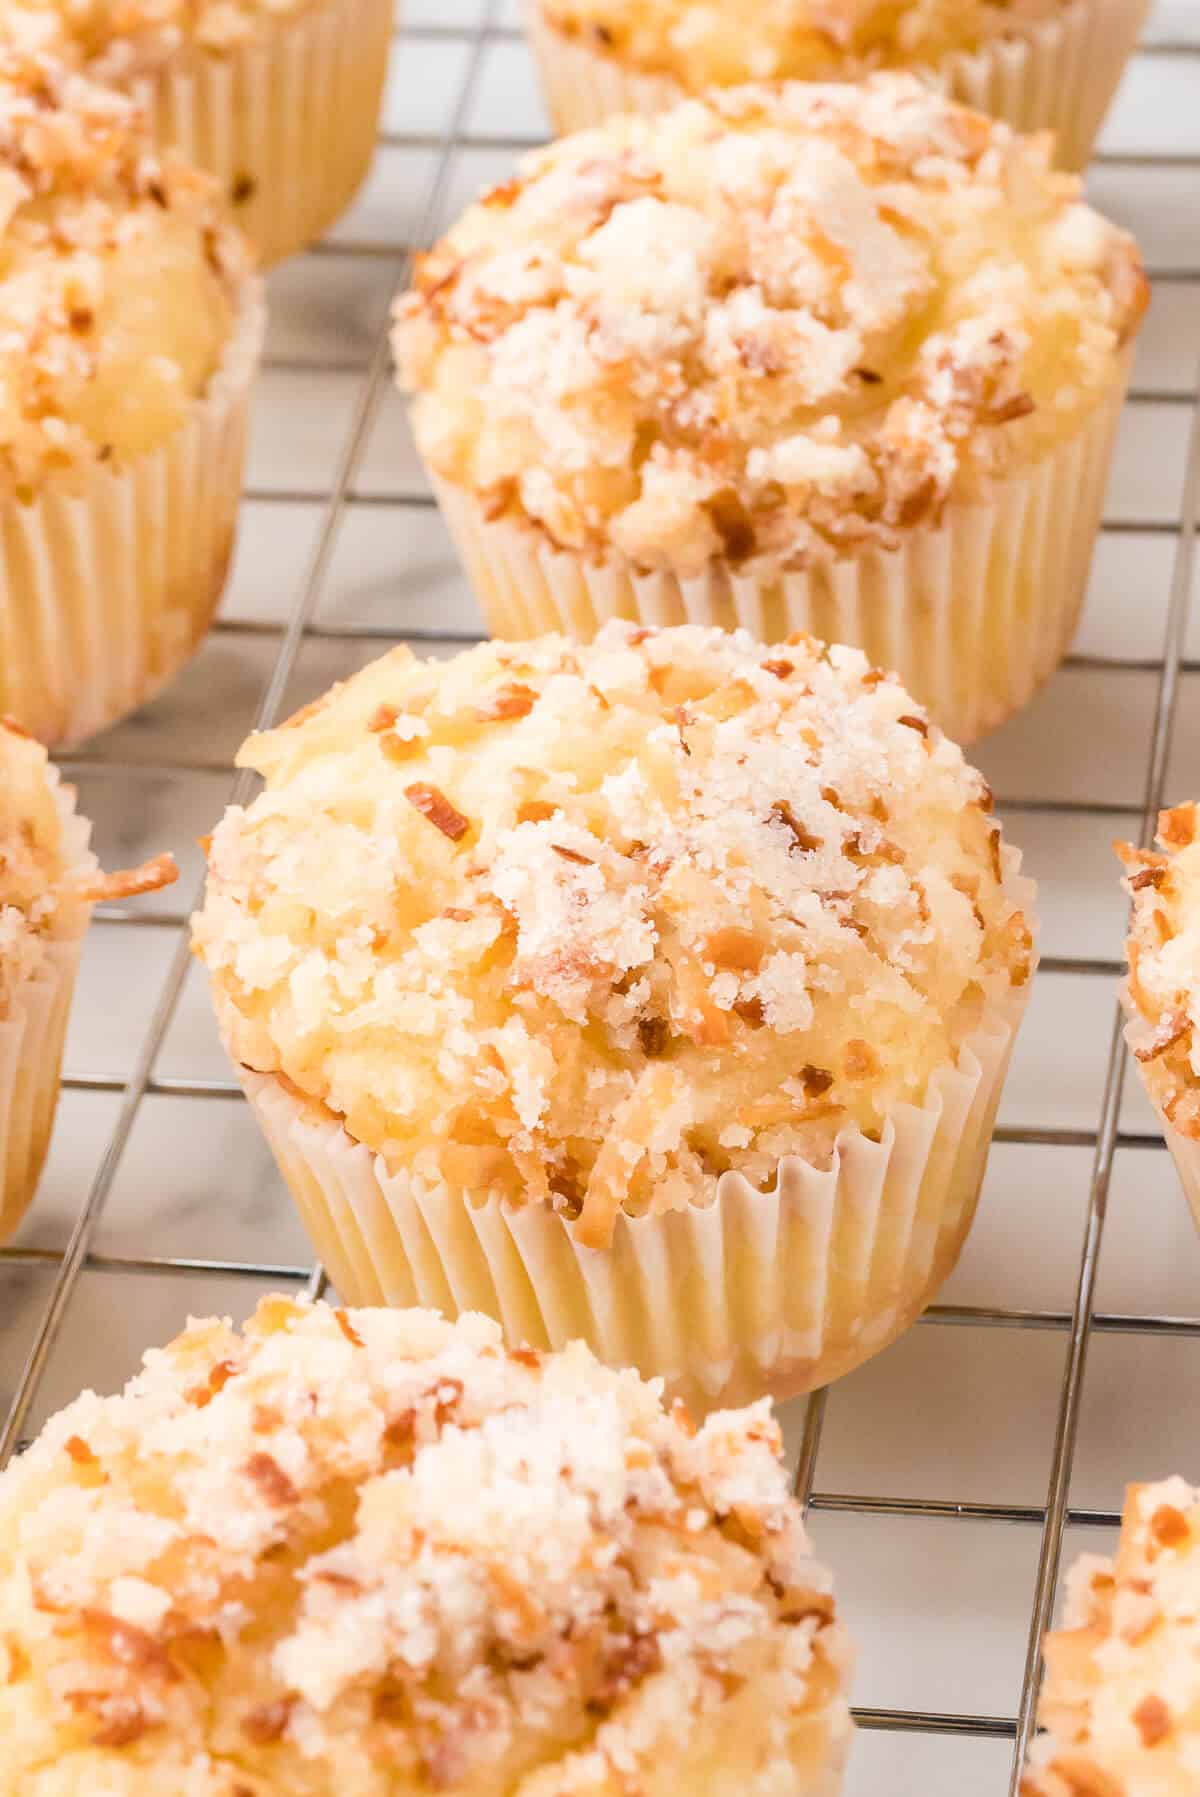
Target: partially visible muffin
column 842, row 359
column 371, row 1553
column 129, row 332
column 48, row 885
column 1037, row 64
column 1122, row 1693
column 576, row 934
column 1162, row 992
column 278, row 99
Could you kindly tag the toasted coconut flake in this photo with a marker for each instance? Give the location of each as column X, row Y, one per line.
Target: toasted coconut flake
column 433, row 804
column 151, row 876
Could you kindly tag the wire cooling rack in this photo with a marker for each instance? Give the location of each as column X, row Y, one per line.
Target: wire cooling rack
column 950, row 1477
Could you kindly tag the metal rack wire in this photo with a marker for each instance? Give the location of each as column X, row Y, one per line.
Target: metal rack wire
column 473, row 28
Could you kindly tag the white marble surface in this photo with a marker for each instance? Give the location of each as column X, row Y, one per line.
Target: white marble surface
column 940, row 1605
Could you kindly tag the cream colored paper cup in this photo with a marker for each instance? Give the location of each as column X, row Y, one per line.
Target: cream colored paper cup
column 109, row 581
column 776, row 1291
column 1059, row 77
column 973, row 613
column 32, row 1032
column 287, row 124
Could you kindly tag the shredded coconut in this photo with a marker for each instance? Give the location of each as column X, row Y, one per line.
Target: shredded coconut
column 691, row 870
column 118, row 41
column 1163, row 949
column 371, row 1551
column 1122, row 1693
column 120, row 279
column 765, row 324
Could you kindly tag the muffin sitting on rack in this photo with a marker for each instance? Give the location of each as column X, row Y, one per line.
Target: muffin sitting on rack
column 657, row 992
column 1037, row 64
column 49, row 882
column 130, row 326
column 369, row 1554
column 840, row 359
column 278, row 99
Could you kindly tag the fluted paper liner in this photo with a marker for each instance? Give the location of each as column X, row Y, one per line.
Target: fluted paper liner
column 759, row 1291
column 109, row 578
column 974, row 612
column 32, row 1031
column 287, row 123
column 1060, row 76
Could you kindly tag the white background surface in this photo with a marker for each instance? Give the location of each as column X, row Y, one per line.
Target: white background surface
column 956, row 1414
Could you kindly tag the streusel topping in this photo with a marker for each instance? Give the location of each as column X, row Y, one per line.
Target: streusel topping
column 593, row 925
column 47, row 882
column 721, row 42
column 372, row 1552
column 118, row 281
column 762, row 324
column 1122, row 1691
column 118, row 40
column 1163, row 950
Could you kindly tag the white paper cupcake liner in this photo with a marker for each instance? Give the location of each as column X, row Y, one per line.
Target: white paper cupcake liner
column 288, row 124
column 109, row 579
column 1060, row 77
column 32, row 1031
column 760, row 1291
column 974, row 613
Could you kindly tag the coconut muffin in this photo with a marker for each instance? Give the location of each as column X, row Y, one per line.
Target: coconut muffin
column 278, row 99
column 1162, row 992
column 1037, row 64
column 1118, row 1708
column 828, row 358
column 48, row 885
column 657, row 991
column 370, row 1552
column 129, row 333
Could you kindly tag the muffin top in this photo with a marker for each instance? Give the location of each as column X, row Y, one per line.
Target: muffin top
column 119, row 279
column 1163, row 949
column 119, row 40
column 48, row 880
column 595, row 925
column 372, row 1552
column 1122, row 1689
column 722, row 42
column 766, row 323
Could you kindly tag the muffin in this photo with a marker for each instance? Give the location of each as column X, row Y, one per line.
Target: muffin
column 370, row 1552
column 1119, row 1705
column 130, row 328
column 1038, row 64
column 838, row 359
column 1161, row 995
column 278, row 99
column 657, row 993
column 48, row 884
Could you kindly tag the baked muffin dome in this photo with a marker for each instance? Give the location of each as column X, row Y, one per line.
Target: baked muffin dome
column 721, row 44
column 117, row 40
column 593, row 925
column 121, row 277
column 371, row 1553
column 1119, row 1704
column 764, row 325
column 1163, row 949
column 46, row 879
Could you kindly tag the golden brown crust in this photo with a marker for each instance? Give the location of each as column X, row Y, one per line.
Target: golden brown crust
column 766, row 325
column 371, row 1553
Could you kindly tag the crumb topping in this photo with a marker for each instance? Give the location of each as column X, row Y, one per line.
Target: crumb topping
column 1162, row 991
column 118, row 280
column 373, row 1551
column 766, row 323
column 1122, row 1690
column 693, row 905
column 46, row 887
column 116, row 41
column 719, row 43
